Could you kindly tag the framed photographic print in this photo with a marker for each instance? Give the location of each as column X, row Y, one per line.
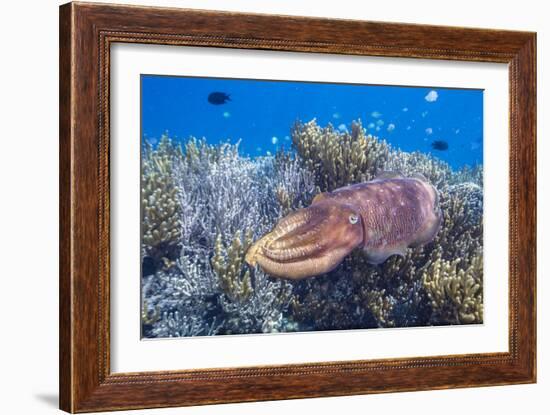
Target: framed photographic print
column 261, row 207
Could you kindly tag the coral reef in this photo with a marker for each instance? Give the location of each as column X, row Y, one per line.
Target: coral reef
column 161, row 227
column 339, row 158
column 204, row 204
column 436, row 171
column 456, row 294
column 228, row 266
column 454, row 278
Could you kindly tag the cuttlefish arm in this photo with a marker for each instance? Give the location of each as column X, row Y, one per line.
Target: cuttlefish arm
column 309, row 241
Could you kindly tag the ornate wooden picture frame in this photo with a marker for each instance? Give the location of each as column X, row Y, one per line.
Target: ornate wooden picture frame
column 87, row 32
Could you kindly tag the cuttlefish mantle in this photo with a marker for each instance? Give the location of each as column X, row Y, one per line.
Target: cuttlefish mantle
column 384, row 216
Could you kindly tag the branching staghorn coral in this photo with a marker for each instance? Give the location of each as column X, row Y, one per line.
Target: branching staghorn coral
column 339, row 158
column 391, row 291
column 228, row 265
column 381, row 305
column 251, row 301
column 454, row 278
column 188, row 288
column 262, row 312
column 461, row 234
column 330, row 302
column 180, row 324
column 470, row 174
column 161, row 227
column 456, row 293
column 436, row 171
column 296, row 185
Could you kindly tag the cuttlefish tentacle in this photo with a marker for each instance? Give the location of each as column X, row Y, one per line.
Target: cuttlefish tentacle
column 383, row 216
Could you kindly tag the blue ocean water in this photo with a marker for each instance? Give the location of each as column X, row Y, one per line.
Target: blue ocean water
column 261, row 113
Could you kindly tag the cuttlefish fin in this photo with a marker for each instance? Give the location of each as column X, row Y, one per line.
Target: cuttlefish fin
column 388, row 175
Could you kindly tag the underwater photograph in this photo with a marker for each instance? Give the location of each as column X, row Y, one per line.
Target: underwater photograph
column 271, row 206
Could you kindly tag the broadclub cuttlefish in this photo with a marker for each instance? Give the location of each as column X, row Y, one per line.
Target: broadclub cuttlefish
column 384, row 216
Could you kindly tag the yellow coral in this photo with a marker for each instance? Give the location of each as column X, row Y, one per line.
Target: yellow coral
column 148, row 317
column 285, row 199
column 229, row 266
column 380, row 306
column 338, row 159
column 161, row 225
column 455, row 294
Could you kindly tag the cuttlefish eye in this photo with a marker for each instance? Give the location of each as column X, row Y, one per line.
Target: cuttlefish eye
column 353, row 219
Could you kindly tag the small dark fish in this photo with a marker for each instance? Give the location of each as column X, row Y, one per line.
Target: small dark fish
column 440, row 145
column 218, row 98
